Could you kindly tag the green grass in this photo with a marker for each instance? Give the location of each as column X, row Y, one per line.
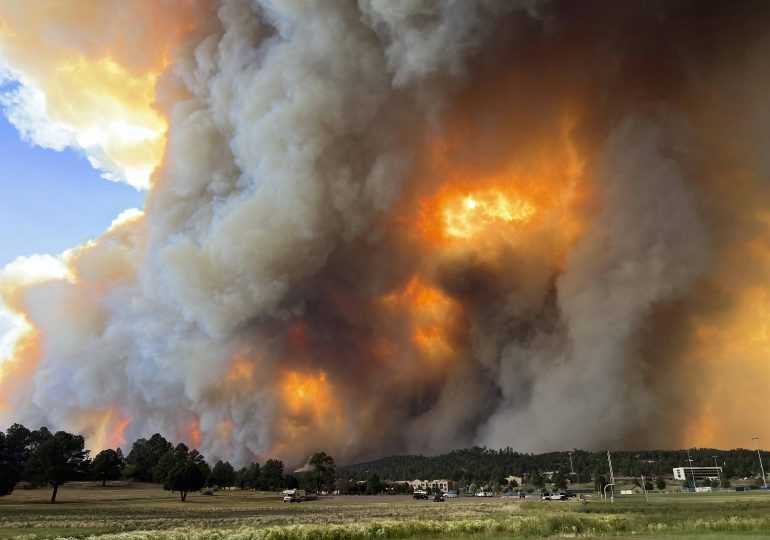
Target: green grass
column 139, row 511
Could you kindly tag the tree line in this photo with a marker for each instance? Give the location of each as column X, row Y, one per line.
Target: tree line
column 41, row 458
column 482, row 466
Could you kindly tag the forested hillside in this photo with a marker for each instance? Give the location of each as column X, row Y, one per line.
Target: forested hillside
column 482, row 464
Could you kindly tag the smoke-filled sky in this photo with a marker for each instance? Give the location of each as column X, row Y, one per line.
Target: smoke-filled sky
column 384, row 226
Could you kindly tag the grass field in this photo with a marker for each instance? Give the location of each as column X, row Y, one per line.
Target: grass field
column 134, row 511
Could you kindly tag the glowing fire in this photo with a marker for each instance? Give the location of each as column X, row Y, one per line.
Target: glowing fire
column 432, row 316
column 194, row 433
column 109, row 430
column 466, row 216
column 307, row 395
column 309, row 408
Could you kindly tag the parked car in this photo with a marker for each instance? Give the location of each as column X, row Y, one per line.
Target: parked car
column 451, row 494
column 420, row 494
column 547, row 496
column 522, row 494
column 438, row 497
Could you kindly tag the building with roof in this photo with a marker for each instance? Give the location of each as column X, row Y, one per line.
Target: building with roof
column 700, row 473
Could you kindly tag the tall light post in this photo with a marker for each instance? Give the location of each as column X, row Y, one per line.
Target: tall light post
column 764, row 478
column 692, row 472
column 612, row 479
column 719, row 477
column 571, row 470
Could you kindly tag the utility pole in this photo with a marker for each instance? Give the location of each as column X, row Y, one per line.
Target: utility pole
column 571, row 470
column 612, row 478
column 764, row 478
column 646, row 498
column 692, row 472
column 719, row 476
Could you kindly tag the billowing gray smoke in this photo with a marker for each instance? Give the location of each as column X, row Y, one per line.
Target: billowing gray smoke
column 413, row 226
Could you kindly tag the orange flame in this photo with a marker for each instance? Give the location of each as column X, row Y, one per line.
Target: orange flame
column 431, row 315
column 466, row 216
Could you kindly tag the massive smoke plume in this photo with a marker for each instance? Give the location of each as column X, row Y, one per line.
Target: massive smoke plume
column 401, row 226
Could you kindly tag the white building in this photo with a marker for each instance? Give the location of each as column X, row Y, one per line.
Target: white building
column 700, row 473
column 442, row 484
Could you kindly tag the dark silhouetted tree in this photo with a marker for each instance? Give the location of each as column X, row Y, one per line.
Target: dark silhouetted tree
column 271, row 476
column 559, row 479
column 108, row 465
column 9, row 477
column 322, row 469
column 222, row 474
column 291, row 482
column 247, row 477
column 584, row 476
column 144, row 456
column 57, row 460
column 373, row 484
column 186, row 476
column 168, row 461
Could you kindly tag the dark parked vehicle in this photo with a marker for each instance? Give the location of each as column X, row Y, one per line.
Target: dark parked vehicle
column 522, row 495
column 438, row 497
column 419, row 494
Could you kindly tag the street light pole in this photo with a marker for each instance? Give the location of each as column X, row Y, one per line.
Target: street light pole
column 764, row 478
column 719, row 477
column 612, row 478
column 571, row 470
column 692, row 472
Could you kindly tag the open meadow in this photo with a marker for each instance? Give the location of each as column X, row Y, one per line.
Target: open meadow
column 133, row 511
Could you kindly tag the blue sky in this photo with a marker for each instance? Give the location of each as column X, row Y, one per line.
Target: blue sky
column 51, row 201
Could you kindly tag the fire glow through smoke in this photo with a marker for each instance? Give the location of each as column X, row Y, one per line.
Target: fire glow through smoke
column 399, row 227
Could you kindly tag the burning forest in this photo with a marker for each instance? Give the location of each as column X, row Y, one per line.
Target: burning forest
column 383, row 227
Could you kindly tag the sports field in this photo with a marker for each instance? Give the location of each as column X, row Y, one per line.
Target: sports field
column 133, row 511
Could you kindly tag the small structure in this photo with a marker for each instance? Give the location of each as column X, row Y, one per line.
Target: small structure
column 442, row 485
column 700, row 473
column 631, row 489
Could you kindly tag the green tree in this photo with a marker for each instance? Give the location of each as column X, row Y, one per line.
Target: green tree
column 559, row 480
column 291, row 482
column 600, row 482
column 584, row 476
column 9, row 477
column 536, row 479
column 58, row 459
column 108, row 465
column 186, row 476
column 167, row 462
column 247, row 477
column 222, row 474
column 373, row 484
column 271, row 476
column 322, row 469
column 18, row 443
column 145, row 455
column 660, row 483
